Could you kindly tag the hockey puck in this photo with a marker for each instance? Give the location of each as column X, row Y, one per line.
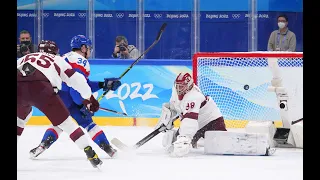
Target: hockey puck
column 246, row 87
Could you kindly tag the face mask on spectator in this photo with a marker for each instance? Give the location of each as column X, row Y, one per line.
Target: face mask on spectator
column 281, row 25
column 25, row 42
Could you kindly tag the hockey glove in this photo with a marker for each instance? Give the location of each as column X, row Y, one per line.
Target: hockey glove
column 86, row 114
column 166, row 118
column 91, row 104
column 110, row 83
column 181, row 146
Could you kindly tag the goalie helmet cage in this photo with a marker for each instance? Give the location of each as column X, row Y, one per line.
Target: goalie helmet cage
column 238, row 82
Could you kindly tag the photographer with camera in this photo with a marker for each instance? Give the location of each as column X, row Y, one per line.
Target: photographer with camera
column 25, row 47
column 124, row 51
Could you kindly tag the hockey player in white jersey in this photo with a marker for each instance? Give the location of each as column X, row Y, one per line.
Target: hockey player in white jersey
column 39, row 77
column 201, row 118
column 81, row 47
column 198, row 114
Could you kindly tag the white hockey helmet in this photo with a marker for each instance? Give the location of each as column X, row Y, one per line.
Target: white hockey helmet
column 183, row 84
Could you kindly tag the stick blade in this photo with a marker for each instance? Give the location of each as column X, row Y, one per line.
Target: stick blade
column 119, row 144
column 163, row 27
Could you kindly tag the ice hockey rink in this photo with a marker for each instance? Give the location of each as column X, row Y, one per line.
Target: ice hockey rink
column 64, row 161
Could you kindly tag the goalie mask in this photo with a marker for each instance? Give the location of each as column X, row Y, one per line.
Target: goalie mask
column 48, row 47
column 183, row 84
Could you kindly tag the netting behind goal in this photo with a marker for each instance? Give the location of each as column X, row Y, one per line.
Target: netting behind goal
column 238, row 83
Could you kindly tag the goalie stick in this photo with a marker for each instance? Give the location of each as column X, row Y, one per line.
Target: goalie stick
column 137, row 60
column 147, row 138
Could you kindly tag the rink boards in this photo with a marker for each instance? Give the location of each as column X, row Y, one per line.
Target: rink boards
column 118, row 121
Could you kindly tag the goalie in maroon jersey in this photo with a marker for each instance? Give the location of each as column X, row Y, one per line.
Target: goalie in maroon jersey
column 39, row 77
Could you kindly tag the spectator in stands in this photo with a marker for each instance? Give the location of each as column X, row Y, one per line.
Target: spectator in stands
column 124, row 51
column 282, row 39
column 25, row 46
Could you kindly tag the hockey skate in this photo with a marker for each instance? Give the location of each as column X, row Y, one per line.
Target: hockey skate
column 35, row 152
column 92, row 157
column 109, row 149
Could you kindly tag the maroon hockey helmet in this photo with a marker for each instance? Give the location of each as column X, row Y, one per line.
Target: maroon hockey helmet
column 48, row 47
column 183, row 84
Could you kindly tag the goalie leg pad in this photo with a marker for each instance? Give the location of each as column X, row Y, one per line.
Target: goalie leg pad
column 236, row 143
column 266, row 127
column 168, row 138
column 215, row 125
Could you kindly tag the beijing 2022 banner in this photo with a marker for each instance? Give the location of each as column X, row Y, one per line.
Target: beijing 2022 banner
column 144, row 88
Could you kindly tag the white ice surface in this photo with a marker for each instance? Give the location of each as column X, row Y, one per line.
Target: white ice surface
column 64, row 161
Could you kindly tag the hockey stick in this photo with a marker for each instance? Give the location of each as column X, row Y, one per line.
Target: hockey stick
column 147, row 138
column 119, row 144
column 296, row 121
column 113, row 111
column 137, row 60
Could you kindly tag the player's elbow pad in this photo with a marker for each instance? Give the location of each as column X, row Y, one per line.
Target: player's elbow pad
column 76, row 96
column 79, row 83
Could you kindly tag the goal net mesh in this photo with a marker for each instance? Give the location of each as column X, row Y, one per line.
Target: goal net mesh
column 238, row 83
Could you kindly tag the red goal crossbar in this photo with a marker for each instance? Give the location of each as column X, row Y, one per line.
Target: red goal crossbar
column 240, row 55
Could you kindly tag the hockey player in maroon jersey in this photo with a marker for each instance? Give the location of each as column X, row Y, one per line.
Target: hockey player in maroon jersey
column 39, row 77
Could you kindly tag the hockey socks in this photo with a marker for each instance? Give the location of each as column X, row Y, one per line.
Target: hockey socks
column 50, row 136
column 99, row 137
column 97, row 134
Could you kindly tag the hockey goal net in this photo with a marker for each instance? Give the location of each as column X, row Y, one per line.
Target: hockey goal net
column 238, row 82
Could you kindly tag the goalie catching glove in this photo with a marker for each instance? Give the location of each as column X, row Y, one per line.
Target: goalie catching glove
column 167, row 117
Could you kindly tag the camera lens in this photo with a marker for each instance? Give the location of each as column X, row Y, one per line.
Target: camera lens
column 24, row 48
column 122, row 48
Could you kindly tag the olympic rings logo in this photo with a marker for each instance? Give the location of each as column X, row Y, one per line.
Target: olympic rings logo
column 119, row 15
column 82, row 15
column 157, row 16
column 45, row 15
column 193, row 15
column 236, row 16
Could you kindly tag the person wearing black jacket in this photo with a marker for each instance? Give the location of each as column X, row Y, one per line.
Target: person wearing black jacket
column 25, row 47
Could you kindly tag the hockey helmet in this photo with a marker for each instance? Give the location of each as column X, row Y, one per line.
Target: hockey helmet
column 48, row 47
column 79, row 40
column 183, row 84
